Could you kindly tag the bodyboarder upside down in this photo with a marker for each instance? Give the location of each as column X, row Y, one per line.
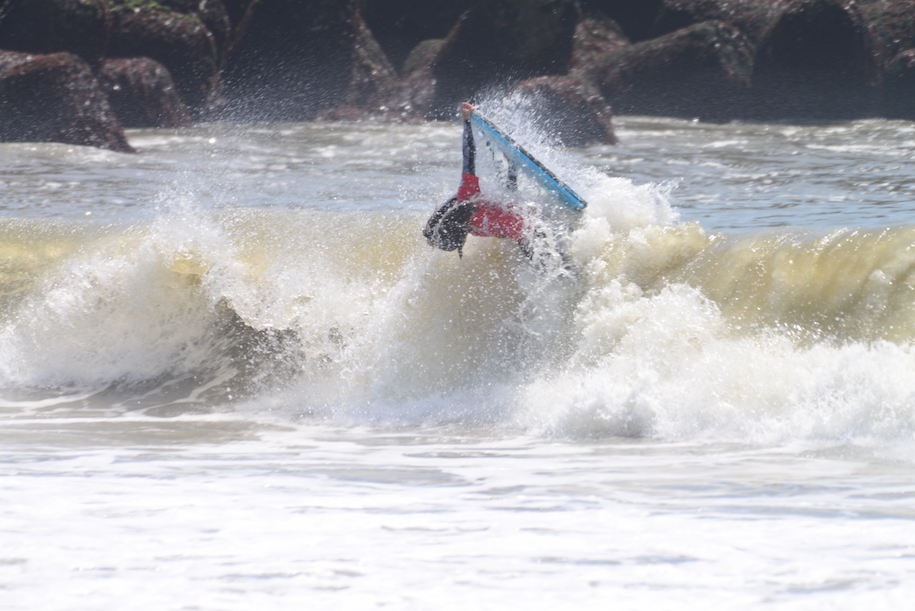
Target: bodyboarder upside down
column 469, row 213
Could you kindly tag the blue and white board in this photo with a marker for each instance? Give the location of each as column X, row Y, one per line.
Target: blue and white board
column 526, row 163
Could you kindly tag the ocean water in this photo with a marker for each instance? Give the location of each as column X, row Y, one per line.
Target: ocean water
column 234, row 376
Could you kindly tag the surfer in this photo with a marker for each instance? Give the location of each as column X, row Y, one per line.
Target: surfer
column 469, row 213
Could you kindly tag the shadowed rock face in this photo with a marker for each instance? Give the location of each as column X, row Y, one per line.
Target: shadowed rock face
column 812, row 59
column 569, row 109
column 142, row 94
column 635, row 17
column 595, row 36
column 55, row 98
column 211, row 13
column 891, row 33
column 81, row 27
column 400, row 25
column 694, row 72
column 752, row 17
column 500, row 42
column 182, row 43
column 292, row 59
column 813, row 62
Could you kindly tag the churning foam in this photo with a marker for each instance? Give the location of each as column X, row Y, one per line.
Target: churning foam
column 661, row 329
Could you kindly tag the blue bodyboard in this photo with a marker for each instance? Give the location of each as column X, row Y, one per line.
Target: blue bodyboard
column 526, row 163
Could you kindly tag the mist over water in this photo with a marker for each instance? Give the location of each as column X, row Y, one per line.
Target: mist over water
column 249, row 318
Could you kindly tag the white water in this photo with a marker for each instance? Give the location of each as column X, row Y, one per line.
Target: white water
column 233, row 375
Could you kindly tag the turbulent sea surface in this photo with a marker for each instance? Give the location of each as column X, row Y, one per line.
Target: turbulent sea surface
column 234, row 376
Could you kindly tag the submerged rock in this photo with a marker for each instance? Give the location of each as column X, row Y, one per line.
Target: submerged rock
column 55, row 98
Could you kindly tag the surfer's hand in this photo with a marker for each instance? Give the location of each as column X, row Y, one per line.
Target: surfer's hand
column 466, row 110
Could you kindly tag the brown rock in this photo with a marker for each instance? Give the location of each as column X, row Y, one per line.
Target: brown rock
column 211, row 13
column 814, row 62
column 498, row 43
column 400, row 25
column 371, row 71
column 55, row 98
column 595, row 36
column 49, row 26
column 423, row 55
column 813, row 59
column 292, row 60
column 569, row 109
column 636, row 17
column 142, row 94
column 752, row 17
column 182, row 43
column 899, row 79
column 409, row 100
column 236, row 9
column 691, row 73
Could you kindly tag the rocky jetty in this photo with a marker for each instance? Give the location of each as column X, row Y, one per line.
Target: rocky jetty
column 79, row 71
column 55, row 97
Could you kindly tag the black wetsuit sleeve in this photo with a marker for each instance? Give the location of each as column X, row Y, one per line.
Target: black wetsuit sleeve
column 469, row 150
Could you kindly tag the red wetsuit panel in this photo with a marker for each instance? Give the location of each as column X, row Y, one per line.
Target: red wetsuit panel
column 490, row 220
column 496, row 221
column 470, row 187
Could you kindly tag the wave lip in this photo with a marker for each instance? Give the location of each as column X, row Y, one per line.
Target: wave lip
column 664, row 332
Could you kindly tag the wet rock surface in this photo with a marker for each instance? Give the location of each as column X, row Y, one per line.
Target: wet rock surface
column 55, row 98
column 168, row 62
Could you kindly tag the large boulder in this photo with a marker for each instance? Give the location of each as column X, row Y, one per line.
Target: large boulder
column 370, row 70
column 695, row 72
column 55, row 98
column 636, row 17
column 812, row 58
column 291, row 60
column 569, row 109
column 236, row 10
column 498, row 43
column 891, row 36
column 752, row 17
column 596, row 35
column 142, row 94
column 211, row 13
column 900, row 86
column 410, row 99
column 49, row 26
column 814, row 62
column 400, row 25
column 179, row 41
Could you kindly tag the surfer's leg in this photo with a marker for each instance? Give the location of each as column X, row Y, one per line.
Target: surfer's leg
column 469, row 150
